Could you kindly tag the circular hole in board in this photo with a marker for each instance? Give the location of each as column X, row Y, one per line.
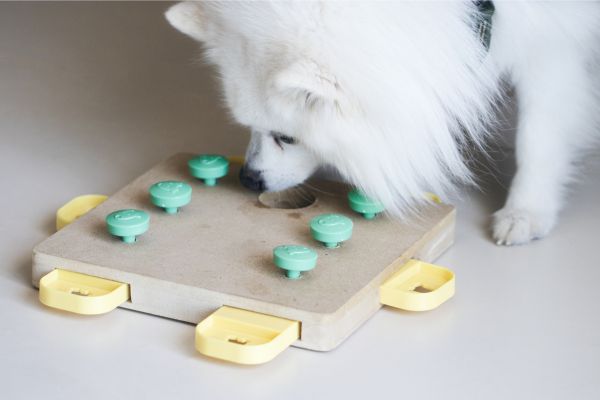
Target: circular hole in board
column 289, row 199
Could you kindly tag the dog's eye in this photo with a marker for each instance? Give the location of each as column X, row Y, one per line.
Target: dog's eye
column 287, row 139
column 281, row 138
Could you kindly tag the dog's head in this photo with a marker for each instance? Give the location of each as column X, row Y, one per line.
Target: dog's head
column 315, row 91
column 264, row 79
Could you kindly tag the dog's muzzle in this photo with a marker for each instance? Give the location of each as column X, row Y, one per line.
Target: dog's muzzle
column 252, row 179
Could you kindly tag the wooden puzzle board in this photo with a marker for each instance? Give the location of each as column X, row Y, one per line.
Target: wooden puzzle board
column 218, row 251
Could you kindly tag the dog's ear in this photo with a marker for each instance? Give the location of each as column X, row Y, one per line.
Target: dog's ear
column 309, row 82
column 188, row 18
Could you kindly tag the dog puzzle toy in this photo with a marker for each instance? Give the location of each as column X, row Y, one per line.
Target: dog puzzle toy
column 209, row 168
column 127, row 224
column 256, row 313
column 331, row 229
column 294, row 259
column 170, row 195
column 363, row 205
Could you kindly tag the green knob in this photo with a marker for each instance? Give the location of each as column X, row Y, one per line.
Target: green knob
column 127, row 224
column 331, row 229
column 364, row 205
column 209, row 167
column 294, row 259
column 170, row 195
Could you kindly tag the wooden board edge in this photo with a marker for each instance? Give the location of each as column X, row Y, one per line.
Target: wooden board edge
column 366, row 303
column 321, row 332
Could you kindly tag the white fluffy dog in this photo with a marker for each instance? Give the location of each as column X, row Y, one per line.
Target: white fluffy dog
column 393, row 94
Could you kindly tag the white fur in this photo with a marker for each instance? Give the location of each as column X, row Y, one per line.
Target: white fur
column 394, row 94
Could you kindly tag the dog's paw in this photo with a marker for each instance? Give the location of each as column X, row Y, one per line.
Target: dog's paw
column 520, row 226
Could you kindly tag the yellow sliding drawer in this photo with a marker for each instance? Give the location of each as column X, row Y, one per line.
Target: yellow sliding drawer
column 245, row 337
column 80, row 293
column 76, row 208
column 418, row 286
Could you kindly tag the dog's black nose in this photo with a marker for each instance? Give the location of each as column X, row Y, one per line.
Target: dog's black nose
column 252, row 179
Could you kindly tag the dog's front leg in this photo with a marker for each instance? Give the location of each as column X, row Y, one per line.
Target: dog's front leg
column 555, row 109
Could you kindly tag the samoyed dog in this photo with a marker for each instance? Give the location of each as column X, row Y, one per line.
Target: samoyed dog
column 396, row 95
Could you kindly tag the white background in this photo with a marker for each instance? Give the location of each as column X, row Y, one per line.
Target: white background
column 92, row 95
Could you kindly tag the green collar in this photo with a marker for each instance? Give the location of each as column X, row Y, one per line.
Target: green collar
column 483, row 26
